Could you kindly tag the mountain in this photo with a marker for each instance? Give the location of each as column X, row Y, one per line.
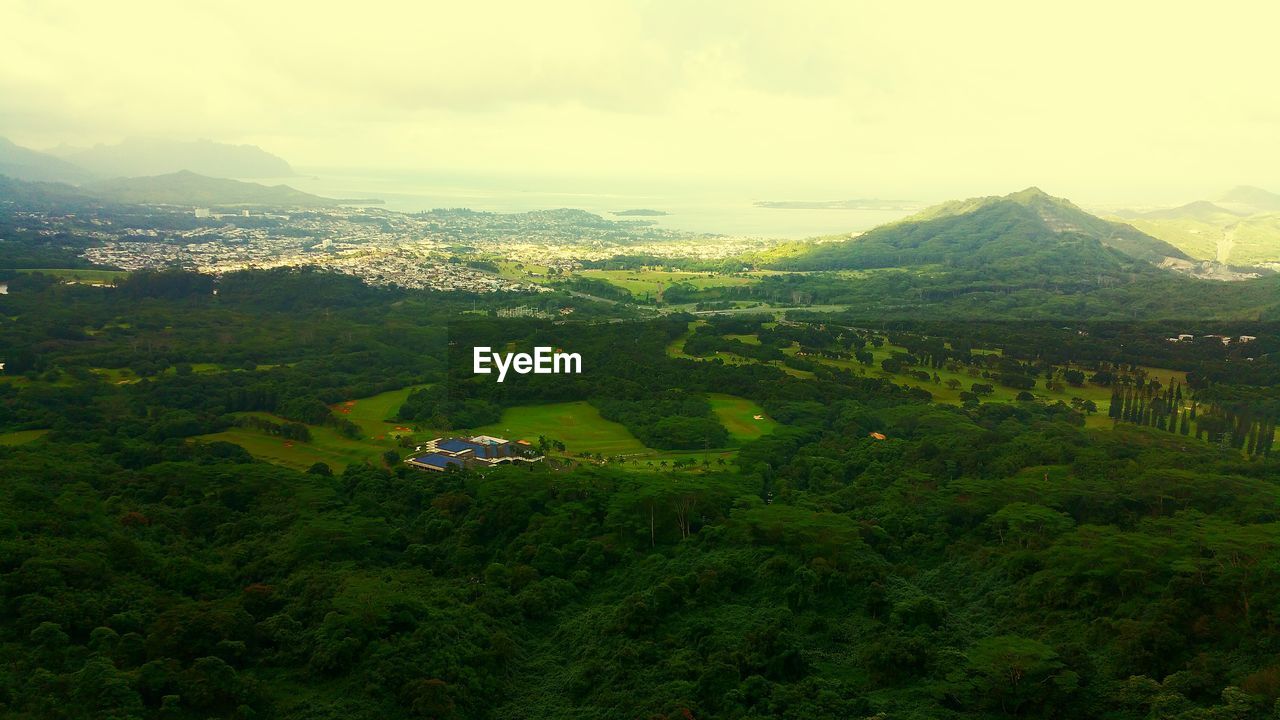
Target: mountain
column 1238, row 229
column 1198, row 210
column 1028, row 230
column 137, row 157
column 47, row 196
column 188, row 188
column 1249, row 199
column 26, row 164
column 1196, row 228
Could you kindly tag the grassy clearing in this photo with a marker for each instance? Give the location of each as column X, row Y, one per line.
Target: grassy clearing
column 738, row 415
column 124, row 376
column 297, row 455
column 197, row 368
column 675, row 348
column 581, row 428
column 373, row 414
column 20, row 437
column 119, row 376
column 653, row 282
column 943, row 392
column 327, row 445
column 80, row 275
column 523, row 272
column 576, row 424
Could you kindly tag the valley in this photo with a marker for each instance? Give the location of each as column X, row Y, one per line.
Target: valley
column 823, row 459
column 637, row 360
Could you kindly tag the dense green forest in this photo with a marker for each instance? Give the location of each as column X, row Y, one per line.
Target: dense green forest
column 990, row 559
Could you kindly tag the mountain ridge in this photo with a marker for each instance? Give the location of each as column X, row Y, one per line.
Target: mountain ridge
column 138, row 157
column 994, row 231
column 1251, row 198
column 1239, row 228
column 24, row 163
column 189, row 188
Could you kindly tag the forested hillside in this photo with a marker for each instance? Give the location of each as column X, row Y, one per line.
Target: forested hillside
column 1023, row 230
column 999, row 562
column 879, row 553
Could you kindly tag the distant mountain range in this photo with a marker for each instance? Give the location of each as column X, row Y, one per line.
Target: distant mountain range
column 1024, row 231
column 140, row 157
column 137, row 157
column 188, row 188
column 1250, row 199
column 25, row 164
column 153, row 172
column 1241, row 227
column 180, row 188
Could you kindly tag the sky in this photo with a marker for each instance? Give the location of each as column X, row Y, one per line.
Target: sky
column 1098, row 101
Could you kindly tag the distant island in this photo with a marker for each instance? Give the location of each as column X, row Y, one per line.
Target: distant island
column 639, row 212
column 839, row 204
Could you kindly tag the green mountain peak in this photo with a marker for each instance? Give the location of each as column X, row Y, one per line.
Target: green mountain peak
column 1018, row 230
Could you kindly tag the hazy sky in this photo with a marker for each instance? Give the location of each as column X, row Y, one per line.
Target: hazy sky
column 1096, row 101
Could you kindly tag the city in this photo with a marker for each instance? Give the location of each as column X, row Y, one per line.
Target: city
column 447, row 250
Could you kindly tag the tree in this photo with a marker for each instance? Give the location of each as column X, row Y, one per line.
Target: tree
column 1014, row 674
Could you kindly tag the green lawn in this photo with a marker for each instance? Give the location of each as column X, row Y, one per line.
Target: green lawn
column 941, row 392
column 738, row 415
column 676, row 347
column 297, row 455
column 123, row 376
column 80, row 275
column 579, row 426
column 576, row 424
column 653, row 282
column 119, row 376
column 372, row 413
column 21, row 436
column 327, row 445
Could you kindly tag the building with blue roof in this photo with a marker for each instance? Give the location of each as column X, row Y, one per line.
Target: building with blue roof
column 441, row 454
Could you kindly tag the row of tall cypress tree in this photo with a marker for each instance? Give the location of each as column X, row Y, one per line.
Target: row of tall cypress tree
column 1239, row 427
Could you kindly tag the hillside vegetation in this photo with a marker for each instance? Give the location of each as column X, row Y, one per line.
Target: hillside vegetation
column 1028, row 229
column 1240, row 228
column 188, row 188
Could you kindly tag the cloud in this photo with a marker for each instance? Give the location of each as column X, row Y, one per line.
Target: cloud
column 1095, row 99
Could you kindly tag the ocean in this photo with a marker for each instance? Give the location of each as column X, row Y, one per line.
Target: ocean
column 690, row 208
